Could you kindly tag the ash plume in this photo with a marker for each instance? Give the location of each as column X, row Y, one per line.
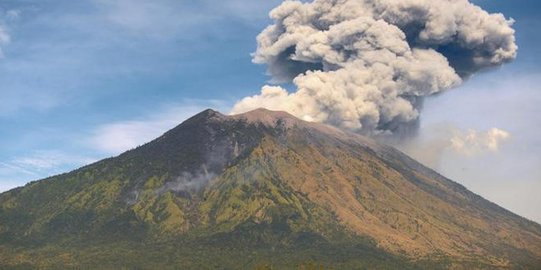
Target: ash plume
column 367, row 65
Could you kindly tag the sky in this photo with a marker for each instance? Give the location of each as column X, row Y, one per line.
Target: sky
column 85, row 80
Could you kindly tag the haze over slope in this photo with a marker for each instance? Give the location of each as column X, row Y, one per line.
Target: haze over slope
column 259, row 188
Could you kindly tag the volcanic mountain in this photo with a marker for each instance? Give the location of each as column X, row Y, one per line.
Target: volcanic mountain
column 259, row 190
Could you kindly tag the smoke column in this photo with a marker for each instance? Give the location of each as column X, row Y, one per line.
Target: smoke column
column 367, row 65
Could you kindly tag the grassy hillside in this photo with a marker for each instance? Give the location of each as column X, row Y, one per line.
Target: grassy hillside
column 259, row 191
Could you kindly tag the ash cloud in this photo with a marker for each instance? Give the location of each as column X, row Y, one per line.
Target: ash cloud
column 368, row 65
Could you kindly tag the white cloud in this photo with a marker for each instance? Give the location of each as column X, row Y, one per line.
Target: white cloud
column 168, row 18
column 442, row 141
column 8, row 168
column 5, row 38
column 13, row 14
column 148, row 18
column 117, row 137
column 475, row 142
column 248, row 10
column 38, row 165
column 41, row 161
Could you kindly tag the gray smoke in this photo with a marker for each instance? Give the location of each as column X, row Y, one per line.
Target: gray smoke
column 187, row 182
column 367, row 65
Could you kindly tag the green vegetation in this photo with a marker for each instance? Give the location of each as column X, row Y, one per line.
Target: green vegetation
column 219, row 193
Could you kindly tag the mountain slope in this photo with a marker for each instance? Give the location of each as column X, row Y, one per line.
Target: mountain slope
column 256, row 189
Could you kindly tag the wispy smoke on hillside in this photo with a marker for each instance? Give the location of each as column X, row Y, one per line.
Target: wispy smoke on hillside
column 367, row 65
column 187, row 182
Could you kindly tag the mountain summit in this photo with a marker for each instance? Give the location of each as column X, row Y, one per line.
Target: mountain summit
column 260, row 189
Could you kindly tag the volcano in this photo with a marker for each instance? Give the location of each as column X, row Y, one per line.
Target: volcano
column 260, row 190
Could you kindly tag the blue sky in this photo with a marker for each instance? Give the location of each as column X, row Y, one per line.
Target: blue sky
column 84, row 80
column 508, row 98
column 74, row 69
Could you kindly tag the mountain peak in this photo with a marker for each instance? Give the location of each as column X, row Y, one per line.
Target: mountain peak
column 262, row 116
column 268, row 117
column 267, row 112
column 207, row 114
